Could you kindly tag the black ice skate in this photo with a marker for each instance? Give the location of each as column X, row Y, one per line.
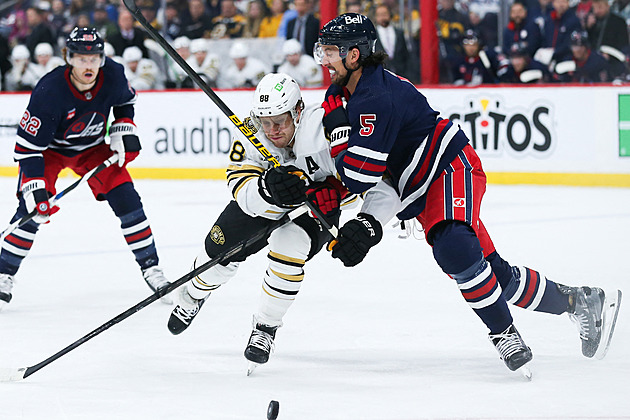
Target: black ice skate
column 261, row 344
column 595, row 316
column 184, row 312
column 6, row 286
column 513, row 351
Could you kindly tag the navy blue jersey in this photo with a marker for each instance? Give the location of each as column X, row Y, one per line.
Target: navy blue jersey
column 394, row 132
column 61, row 118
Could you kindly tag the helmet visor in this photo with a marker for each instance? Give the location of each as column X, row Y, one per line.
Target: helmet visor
column 328, row 54
column 277, row 122
column 86, row 61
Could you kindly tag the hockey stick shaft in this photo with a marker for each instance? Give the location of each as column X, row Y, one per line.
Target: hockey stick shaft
column 135, row 11
column 16, row 374
column 59, row 195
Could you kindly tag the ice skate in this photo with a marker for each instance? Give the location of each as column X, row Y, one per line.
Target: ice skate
column 513, row 350
column 261, row 344
column 595, row 316
column 6, row 285
column 184, row 312
column 154, row 276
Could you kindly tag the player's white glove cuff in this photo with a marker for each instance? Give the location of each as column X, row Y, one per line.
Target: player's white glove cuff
column 117, row 131
column 339, row 140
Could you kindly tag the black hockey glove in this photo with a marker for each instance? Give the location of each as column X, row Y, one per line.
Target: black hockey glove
column 356, row 238
column 283, row 186
column 336, row 124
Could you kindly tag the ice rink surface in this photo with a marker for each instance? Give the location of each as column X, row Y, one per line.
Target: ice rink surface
column 389, row 339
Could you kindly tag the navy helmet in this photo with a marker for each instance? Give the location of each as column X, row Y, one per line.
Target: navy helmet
column 84, row 41
column 580, row 38
column 350, row 30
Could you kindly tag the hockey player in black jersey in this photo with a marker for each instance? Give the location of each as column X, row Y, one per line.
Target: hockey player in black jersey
column 64, row 126
column 388, row 140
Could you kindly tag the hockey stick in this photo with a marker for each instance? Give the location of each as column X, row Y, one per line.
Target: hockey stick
column 135, row 11
column 17, row 374
column 57, row 197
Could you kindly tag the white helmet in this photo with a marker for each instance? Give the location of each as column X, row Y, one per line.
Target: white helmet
column 43, row 48
column 276, row 94
column 20, row 52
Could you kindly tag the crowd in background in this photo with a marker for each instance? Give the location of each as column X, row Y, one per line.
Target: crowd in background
column 233, row 43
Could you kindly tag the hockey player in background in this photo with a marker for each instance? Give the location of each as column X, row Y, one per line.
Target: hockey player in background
column 263, row 194
column 302, row 67
column 388, row 138
column 64, row 127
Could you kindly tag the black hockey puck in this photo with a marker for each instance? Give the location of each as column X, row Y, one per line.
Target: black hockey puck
column 273, row 410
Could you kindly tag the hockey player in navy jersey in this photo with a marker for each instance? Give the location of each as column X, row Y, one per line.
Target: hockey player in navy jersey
column 64, row 126
column 387, row 140
column 262, row 194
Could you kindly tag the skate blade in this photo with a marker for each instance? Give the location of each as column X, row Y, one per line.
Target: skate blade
column 612, row 304
column 526, row 372
column 251, row 367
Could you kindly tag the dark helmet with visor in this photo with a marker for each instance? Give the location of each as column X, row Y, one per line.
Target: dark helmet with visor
column 350, row 30
column 85, row 41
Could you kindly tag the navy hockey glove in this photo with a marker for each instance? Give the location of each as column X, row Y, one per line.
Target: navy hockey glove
column 283, row 186
column 36, row 198
column 123, row 140
column 355, row 239
column 336, row 124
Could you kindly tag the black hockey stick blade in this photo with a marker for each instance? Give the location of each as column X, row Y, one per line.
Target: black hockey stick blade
column 155, row 34
column 17, row 374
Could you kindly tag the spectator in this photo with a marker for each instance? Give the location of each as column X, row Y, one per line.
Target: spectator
column 39, row 31
column 46, row 60
column 289, row 15
column 142, row 73
column 301, row 67
column 109, row 51
column 176, row 76
column 305, row 26
column 213, row 8
column 485, row 24
column 172, row 22
column 78, row 6
column 16, row 18
column 244, row 71
column 149, row 12
column 101, row 22
column 586, row 66
column 82, row 20
column 128, row 35
column 521, row 30
column 24, row 75
column 270, row 25
column 608, row 33
column 559, row 26
column 354, row 6
column 60, row 20
column 539, row 10
column 478, row 65
column 582, row 10
column 523, row 69
column 257, row 11
column 5, row 64
column 230, row 23
column 451, row 27
column 392, row 41
column 203, row 62
column 621, row 8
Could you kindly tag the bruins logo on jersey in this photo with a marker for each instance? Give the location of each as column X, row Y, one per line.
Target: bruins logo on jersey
column 217, row 235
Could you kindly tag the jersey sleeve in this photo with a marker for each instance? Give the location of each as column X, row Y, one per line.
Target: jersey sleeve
column 243, row 173
column 372, row 135
column 35, row 132
column 382, row 202
column 126, row 96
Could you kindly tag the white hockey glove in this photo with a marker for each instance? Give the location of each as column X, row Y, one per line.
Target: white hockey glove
column 36, row 198
column 123, row 140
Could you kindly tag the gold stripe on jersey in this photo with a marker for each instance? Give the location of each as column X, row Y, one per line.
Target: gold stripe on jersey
column 285, row 259
column 234, row 171
column 349, row 200
column 288, row 277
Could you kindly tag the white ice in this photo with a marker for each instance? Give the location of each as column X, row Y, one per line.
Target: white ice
column 389, row 339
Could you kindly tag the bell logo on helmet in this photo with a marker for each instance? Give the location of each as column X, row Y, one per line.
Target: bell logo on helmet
column 353, row 19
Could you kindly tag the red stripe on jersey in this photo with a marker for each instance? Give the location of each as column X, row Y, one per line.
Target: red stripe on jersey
column 425, row 165
column 14, row 240
column 363, row 165
column 22, row 149
column 138, row 236
column 533, row 278
column 486, row 289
